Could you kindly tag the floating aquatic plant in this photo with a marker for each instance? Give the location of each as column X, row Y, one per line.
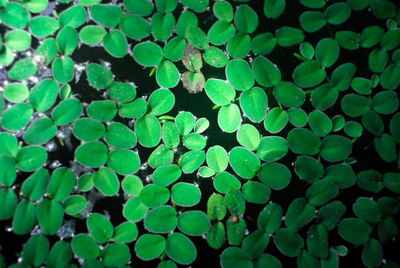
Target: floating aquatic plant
column 306, row 92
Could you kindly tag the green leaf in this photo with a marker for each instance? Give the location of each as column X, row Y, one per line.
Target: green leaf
column 50, row 216
column 170, row 135
column 348, row 40
column 40, row 131
column 287, row 94
column 92, row 34
column 87, row 129
column 335, row 148
column 266, row 73
column 125, row 232
column 217, row 158
column 120, row 136
column 8, row 203
column 267, row 259
column 147, row 54
column 246, row 19
column 319, row 123
column 255, row 243
column 196, row 5
column 135, row 27
column 167, row 75
column 63, row 69
column 287, row 36
column 254, row 104
column 235, row 257
column 116, row 254
column 124, row 162
column 372, row 253
column 219, row 91
column 74, row 16
column 61, row 184
column 16, row 117
column 229, row 118
column 59, row 255
column 235, row 202
column 354, row 230
column 220, row 32
column 223, row 10
column 276, row 120
column 74, row 204
column 22, row 69
column 312, row 21
column 194, row 223
column 17, row 40
column 263, row 44
column 148, row 130
column 239, row 74
column 139, row 7
column 367, row 209
column 275, row 175
column 34, row 186
column 16, row 92
column 115, row 43
column 225, row 181
column 153, row 195
column 308, row 74
column 370, row 180
column 85, row 247
column 43, row 95
column 161, row 219
column 239, row 45
column 337, row 13
column 106, row 181
column 30, row 158
column 160, row 156
column 174, row 48
column 272, row 148
column 248, row 136
column 43, row 26
column 185, row 194
column 244, row 162
column 106, row 15
column 149, row 246
column 321, row 192
column 274, row 8
column 180, row 249
column 132, row 185
column 385, row 102
column 270, row 218
column 35, row 250
column 385, row 146
column 185, row 21
column 299, row 214
column 191, row 161
column 327, row 52
column 24, row 217
column 162, row 26
column 92, row 154
column 134, row 210
column 288, row 242
column 330, row 214
column 14, row 15
column 99, row 77
column 216, row 207
column 216, row 235
column 67, row 40
column 256, row 192
column 8, row 170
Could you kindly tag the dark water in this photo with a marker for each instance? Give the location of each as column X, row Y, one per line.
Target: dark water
column 126, row 69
